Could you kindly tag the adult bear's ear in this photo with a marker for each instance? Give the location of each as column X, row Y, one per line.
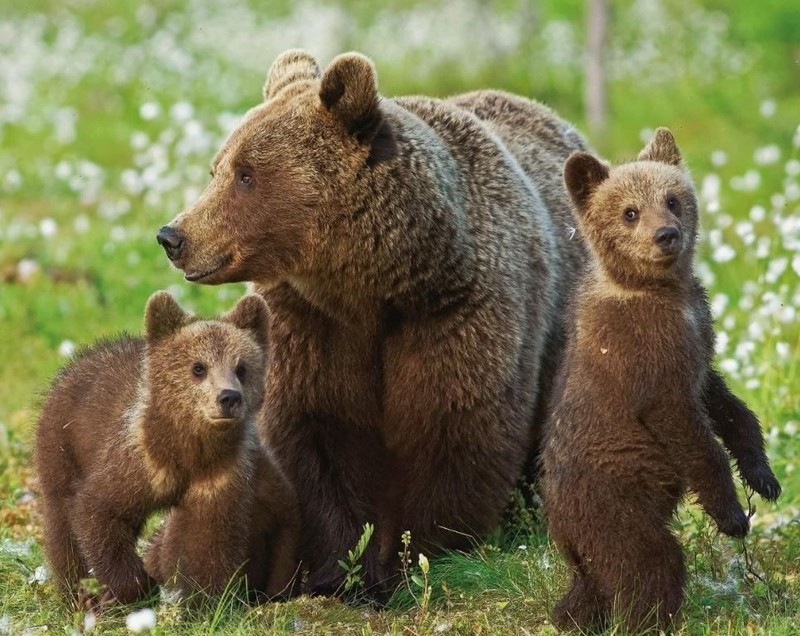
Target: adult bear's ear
column 163, row 316
column 251, row 313
column 662, row 148
column 291, row 66
column 583, row 172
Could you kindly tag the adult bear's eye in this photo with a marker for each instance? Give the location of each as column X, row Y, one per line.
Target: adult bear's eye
column 244, row 179
column 198, row 369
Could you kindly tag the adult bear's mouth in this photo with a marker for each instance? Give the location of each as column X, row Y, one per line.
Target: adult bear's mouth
column 198, row 276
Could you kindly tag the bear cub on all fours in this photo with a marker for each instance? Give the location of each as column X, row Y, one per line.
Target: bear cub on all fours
column 134, row 425
column 628, row 433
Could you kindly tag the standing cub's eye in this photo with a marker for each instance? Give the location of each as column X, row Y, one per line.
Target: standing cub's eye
column 198, row 369
column 241, row 371
column 673, row 204
column 630, row 214
column 244, row 179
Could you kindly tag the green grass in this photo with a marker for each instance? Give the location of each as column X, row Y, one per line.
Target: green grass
column 79, row 210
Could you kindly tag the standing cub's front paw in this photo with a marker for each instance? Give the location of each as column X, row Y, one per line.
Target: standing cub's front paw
column 761, row 479
column 735, row 523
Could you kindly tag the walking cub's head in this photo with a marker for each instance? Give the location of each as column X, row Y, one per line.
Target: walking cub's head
column 207, row 375
column 639, row 218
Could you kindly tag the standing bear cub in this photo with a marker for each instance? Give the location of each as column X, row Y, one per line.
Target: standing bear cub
column 629, row 432
column 134, row 425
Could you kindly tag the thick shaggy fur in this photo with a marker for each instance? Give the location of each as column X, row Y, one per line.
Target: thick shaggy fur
column 415, row 254
column 134, row 425
column 630, row 431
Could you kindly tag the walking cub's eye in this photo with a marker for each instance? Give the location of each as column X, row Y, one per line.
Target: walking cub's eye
column 673, row 204
column 630, row 214
column 198, row 369
column 241, row 371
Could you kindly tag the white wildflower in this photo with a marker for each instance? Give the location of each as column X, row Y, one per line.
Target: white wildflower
column 89, row 622
column 63, row 170
column 767, row 108
column 719, row 158
column 792, row 167
column 718, row 304
column 12, row 180
column 757, row 213
column 48, row 227
column 729, row 366
column 775, row 268
column 140, row 620
column 723, row 253
column 767, row 155
column 149, row 110
column 722, row 342
column 181, row 111
column 139, row 140
column 27, row 268
column 783, row 350
column 752, row 384
column 66, row 348
column 790, row 428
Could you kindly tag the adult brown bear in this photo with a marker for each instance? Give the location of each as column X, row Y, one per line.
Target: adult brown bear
column 415, row 254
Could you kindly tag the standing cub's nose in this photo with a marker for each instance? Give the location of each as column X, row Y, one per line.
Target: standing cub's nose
column 171, row 240
column 229, row 400
column 667, row 238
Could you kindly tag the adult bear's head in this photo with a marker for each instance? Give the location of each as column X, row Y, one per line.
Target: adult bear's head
column 290, row 172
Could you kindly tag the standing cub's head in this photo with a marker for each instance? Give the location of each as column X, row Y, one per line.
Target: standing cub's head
column 639, row 218
column 206, row 374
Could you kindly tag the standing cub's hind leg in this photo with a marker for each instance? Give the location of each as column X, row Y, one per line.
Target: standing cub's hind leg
column 580, row 607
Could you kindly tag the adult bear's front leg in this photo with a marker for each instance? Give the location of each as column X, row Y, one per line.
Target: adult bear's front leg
column 335, row 468
column 459, row 474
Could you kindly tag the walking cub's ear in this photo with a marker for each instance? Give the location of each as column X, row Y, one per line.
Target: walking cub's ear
column 163, row 316
column 662, row 148
column 251, row 313
column 583, row 172
column 291, row 66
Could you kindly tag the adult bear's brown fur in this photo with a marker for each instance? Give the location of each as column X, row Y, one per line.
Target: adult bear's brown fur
column 132, row 425
column 415, row 254
column 629, row 432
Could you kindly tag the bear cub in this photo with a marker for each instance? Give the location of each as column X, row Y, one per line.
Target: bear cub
column 135, row 425
column 628, row 433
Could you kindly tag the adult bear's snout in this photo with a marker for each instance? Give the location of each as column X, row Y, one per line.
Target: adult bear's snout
column 172, row 241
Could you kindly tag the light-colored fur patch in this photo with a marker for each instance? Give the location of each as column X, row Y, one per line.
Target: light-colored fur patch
column 240, row 471
column 162, row 481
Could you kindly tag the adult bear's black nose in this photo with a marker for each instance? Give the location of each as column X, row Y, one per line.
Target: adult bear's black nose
column 171, row 240
column 668, row 239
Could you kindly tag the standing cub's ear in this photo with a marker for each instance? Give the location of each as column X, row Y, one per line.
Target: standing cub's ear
column 290, row 66
column 583, row 172
column 662, row 148
column 251, row 313
column 163, row 316
column 349, row 90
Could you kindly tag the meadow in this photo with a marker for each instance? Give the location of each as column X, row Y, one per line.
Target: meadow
column 110, row 114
